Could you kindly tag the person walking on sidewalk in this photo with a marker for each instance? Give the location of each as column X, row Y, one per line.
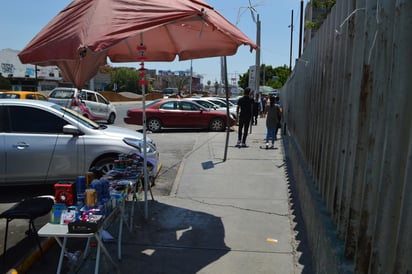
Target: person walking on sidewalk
column 244, row 114
column 256, row 110
column 273, row 117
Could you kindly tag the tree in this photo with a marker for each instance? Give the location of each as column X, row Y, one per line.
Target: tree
column 323, row 5
column 125, row 79
column 216, row 87
column 181, row 82
column 278, row 77
column 244, row 80
column 273, row 77
column 4, row 83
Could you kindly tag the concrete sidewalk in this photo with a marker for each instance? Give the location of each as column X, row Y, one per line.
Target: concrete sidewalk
column 222, row 217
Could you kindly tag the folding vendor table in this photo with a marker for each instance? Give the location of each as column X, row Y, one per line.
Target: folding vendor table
column 59, row 231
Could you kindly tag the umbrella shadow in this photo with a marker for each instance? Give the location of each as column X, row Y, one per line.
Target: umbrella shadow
column 174, row 240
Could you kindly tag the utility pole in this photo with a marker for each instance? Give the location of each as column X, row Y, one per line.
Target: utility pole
column 264, row 75
column 301, row 28
column 257, row 56
column 37, row 79
column 191, row 75
column 291, row 42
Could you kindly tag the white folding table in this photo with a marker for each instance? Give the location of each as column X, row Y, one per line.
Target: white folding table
column 61, row 231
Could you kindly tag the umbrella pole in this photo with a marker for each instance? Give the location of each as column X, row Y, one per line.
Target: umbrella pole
column 227, row 109
column 146, row 209
column 141, row 48
column 257, row 65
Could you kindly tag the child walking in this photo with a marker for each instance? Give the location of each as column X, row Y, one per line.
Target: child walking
column 273, row 116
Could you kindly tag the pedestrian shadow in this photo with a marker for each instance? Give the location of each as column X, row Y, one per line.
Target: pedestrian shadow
column 173, row 240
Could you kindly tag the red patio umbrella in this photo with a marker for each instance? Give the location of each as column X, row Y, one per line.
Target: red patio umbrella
column 82, row 35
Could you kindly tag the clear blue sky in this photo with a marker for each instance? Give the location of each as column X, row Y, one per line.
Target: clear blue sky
column 21, row 20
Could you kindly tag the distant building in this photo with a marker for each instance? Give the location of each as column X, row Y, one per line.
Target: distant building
column 27, row 76
column 38, row 78
column 173, row 79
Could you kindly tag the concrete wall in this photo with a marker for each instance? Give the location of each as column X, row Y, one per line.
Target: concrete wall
column 348, row 111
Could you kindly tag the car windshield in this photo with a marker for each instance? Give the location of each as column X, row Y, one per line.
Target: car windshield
column 205, row 104
column 9, row 95
column 62, row 94
column 152, row 103
column 218, row 102
column 222, row 102
column 76, row 116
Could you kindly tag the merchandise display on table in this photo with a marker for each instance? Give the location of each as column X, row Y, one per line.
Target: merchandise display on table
column 84, row 204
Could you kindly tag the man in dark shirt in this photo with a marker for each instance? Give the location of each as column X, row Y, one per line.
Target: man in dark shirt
column 244, row 114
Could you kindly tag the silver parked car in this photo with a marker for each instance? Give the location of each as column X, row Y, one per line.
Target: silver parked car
column 89, row 103
column 42, row 142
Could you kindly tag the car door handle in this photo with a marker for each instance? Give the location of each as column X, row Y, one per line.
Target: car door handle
column 21, row 145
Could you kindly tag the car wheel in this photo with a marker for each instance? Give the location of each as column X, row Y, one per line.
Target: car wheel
column 154, row 125
column 105, row 164
column 111, row 119
column 217, row 124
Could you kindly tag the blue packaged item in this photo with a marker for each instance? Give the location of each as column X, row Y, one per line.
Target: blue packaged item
column 57, row 211
column 96, row 184
column 80, row 200
column 105, row 184
column 81, row 184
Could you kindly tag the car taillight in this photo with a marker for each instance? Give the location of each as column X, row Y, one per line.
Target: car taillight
column 74, row 103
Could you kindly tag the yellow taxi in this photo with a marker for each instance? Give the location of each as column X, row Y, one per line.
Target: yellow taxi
column 33, row 95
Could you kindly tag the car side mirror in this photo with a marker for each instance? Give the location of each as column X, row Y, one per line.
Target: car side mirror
column 70, row 129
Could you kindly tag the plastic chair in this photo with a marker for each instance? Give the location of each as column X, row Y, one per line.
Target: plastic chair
column 30, row 209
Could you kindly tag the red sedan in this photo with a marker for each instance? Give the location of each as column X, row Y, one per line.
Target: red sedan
column 178, row 113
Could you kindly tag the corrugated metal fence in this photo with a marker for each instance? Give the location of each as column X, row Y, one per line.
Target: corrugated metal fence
column 348, row 111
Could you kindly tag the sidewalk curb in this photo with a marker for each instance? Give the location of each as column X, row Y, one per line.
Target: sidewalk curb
column 176, row 182
column 25, row 265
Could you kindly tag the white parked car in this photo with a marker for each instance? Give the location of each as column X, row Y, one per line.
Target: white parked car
column 89, row 103
column 222, row 103
column 42, row 142
column 210, row 105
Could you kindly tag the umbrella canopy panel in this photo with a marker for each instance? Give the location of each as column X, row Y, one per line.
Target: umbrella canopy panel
column 80, row 38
